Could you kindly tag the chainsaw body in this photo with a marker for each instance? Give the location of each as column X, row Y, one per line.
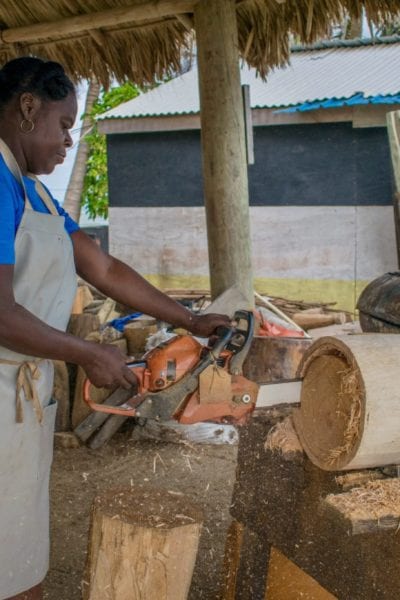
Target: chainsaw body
column 184, row 380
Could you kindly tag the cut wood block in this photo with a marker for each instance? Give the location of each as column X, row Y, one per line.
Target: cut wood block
column 83, row 298
column 286, row 581
column 107, row 311
column 142, row 546
column 373, row 507
column 80, row 409
column 61, row 395
column 66, row 440
column 136, row 334
column 83, row 325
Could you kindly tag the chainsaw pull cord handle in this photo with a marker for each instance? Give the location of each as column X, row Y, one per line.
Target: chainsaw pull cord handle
column 104, row 408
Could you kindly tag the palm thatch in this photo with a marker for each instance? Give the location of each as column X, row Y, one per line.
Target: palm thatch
column 143, row 40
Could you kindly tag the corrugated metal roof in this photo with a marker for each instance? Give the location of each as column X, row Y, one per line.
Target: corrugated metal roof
column 314, row 76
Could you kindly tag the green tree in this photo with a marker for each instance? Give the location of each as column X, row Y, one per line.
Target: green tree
column 95, row 189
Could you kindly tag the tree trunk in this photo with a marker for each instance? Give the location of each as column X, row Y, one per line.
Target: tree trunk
column 73, row 197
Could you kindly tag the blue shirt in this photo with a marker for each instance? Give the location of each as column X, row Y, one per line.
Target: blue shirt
column 12, row 204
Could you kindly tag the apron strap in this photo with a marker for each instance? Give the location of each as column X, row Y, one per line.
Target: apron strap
column 28, row 374
column 45, row 196
column 13, row 166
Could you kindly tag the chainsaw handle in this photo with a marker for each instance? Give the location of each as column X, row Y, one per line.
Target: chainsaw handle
column 240, row 353
column 104, row 408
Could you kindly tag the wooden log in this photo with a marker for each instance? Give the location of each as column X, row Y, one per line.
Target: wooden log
column 312, row 321
column 143, row 544
column 223, row 147
column 350, row 395
column 393, row 128
column 110, row 427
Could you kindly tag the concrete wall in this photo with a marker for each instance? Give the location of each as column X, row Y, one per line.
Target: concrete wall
column 320, row 204
column 306, row 252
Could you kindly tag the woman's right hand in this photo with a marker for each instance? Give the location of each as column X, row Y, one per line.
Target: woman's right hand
column 106, row 367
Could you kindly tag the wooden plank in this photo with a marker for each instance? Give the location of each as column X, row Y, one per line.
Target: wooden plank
column 233, row 546
column 286, row 581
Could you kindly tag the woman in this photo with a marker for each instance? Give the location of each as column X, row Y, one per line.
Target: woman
column 41, row 250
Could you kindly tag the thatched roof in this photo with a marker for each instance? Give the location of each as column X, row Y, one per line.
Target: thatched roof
column 142, row 40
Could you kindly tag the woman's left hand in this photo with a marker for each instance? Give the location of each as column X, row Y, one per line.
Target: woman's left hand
column 205, row 325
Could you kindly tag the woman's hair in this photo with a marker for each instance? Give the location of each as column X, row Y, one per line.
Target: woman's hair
column 46, row 79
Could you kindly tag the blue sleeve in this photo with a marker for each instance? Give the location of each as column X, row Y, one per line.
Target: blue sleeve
column 7, row 217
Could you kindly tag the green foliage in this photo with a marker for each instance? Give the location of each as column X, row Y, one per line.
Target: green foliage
column 95, row 190
column 388, row 28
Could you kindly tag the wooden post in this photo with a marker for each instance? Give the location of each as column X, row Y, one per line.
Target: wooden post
column 393, row 127
column 143, row 545
column 223, row 146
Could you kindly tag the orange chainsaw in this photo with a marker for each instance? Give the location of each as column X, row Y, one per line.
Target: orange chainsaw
column 187, row 381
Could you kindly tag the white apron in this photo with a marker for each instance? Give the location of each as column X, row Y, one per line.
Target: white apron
column 45, row 284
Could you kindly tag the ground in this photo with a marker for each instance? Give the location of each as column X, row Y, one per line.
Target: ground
column 205, row 473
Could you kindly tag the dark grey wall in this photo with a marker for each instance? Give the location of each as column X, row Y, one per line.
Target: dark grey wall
column 324, row 164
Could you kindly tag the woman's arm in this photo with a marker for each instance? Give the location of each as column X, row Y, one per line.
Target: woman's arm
column 22, row 332
column 118, row 281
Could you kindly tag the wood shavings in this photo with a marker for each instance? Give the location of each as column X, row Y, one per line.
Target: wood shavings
column 375, row 505
column 350, row 387
column 283, row 438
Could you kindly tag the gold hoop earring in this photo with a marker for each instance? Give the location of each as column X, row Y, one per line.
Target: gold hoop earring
column 27, row 126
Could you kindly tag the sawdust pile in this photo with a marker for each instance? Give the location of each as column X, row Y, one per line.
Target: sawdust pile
column 376, row 499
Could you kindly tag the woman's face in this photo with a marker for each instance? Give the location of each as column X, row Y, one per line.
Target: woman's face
column 45, row 147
